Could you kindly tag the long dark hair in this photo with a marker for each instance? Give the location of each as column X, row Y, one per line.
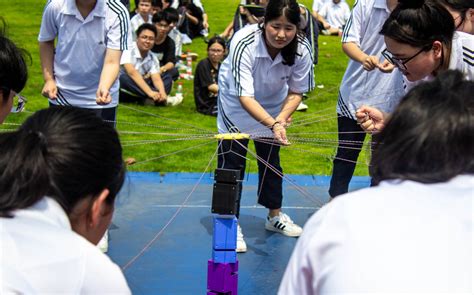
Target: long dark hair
column 291, row 10
column 430, row 136
column 419, row 23
column 13, row 69
column 460, row 6
column 65, row 153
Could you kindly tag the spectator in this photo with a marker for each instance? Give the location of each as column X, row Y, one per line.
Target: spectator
column 165, row 50
column 205, row 78
column 144, row 9
column 336, row 13
column 194, row 19
column 140, row 75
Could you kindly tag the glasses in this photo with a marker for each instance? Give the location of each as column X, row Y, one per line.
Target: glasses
column 216, row 50
column 19, row 100
column 147, row 38
column 401, row 62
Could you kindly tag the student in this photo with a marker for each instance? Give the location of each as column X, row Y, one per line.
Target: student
column 140, row 75
column 422, row 43
column 82, row 70
column 364, row 83
column 61, row 171
column 173, row 16
column 336, row 13
column 205, row 77
column 195, row 20
column 463, row 14
column 247, row 13
column 164, row 48
column 144, row 15
column 13, row 75
column 260, row 85
column 412, row 233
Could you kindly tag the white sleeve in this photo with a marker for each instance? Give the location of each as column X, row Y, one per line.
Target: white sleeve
column 347, row 12
column 324, row 10
column 199, row 4
column 316, row 5
column 49, row 27
column 302, row 76
column 353, row 28
column 126, row 57
column 119, row 35
column 301, row 274
column 241, row 66
column 155, row 68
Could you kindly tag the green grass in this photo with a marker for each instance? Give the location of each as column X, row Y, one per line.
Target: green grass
column 148, row 133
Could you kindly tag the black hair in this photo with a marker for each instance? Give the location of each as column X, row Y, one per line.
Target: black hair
column 216, row 39
column 160, row 16
column 13, row 67
column 291, row 10
column 461, row 6
column 68, row 154
column 171, row 15
column 146, row 26
column 419, row 23
column 430, row 136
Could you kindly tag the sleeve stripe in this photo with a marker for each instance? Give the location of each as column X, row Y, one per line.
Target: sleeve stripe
column 304, row 42
column 122, row 15
column 349, row 23
column 237, row 57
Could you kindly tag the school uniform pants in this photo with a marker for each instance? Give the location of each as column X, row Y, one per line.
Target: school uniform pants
column 109, row 115
column 351, row 138
column 232, row 156
column 168, row 77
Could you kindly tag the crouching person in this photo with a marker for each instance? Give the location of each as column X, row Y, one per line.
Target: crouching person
column 140, row 78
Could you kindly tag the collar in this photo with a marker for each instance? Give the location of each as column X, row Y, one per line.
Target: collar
column 52, row 212
column 381, row 4
column 71, row 9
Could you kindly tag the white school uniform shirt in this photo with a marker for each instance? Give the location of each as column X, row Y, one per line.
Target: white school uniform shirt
column 148, row 65
column 318, row 4
column 335, row 14
column 360, row 87
column 41, row 253
column 395, row 238
column 136, row 21
column 461, row 59
column 249, row 71
column 81, row 46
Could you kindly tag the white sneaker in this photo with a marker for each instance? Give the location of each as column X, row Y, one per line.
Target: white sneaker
column 241, row 245
column 284, row 225
column 103, row 244
column 302, row 107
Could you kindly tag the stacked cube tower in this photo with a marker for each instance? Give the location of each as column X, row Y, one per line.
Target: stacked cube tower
column 222, row 269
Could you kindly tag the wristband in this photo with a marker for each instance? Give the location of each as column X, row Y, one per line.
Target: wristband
column 273, row 125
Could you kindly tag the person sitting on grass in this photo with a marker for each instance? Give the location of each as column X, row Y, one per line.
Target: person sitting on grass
column 205, row 78
column 60, row 174
column 140, row 74
column 144, row 15
column 165, row 49
column 336, row 13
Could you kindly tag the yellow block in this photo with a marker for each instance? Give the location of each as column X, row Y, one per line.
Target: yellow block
column 230, row 136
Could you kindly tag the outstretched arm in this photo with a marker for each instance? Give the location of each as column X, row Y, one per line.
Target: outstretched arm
column 109, row 74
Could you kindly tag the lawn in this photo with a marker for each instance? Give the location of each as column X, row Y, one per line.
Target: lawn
column 178, row 139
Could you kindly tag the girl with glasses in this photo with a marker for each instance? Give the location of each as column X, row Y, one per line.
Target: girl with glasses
column 205, row 78
column 422, row 42
column 412, row 233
